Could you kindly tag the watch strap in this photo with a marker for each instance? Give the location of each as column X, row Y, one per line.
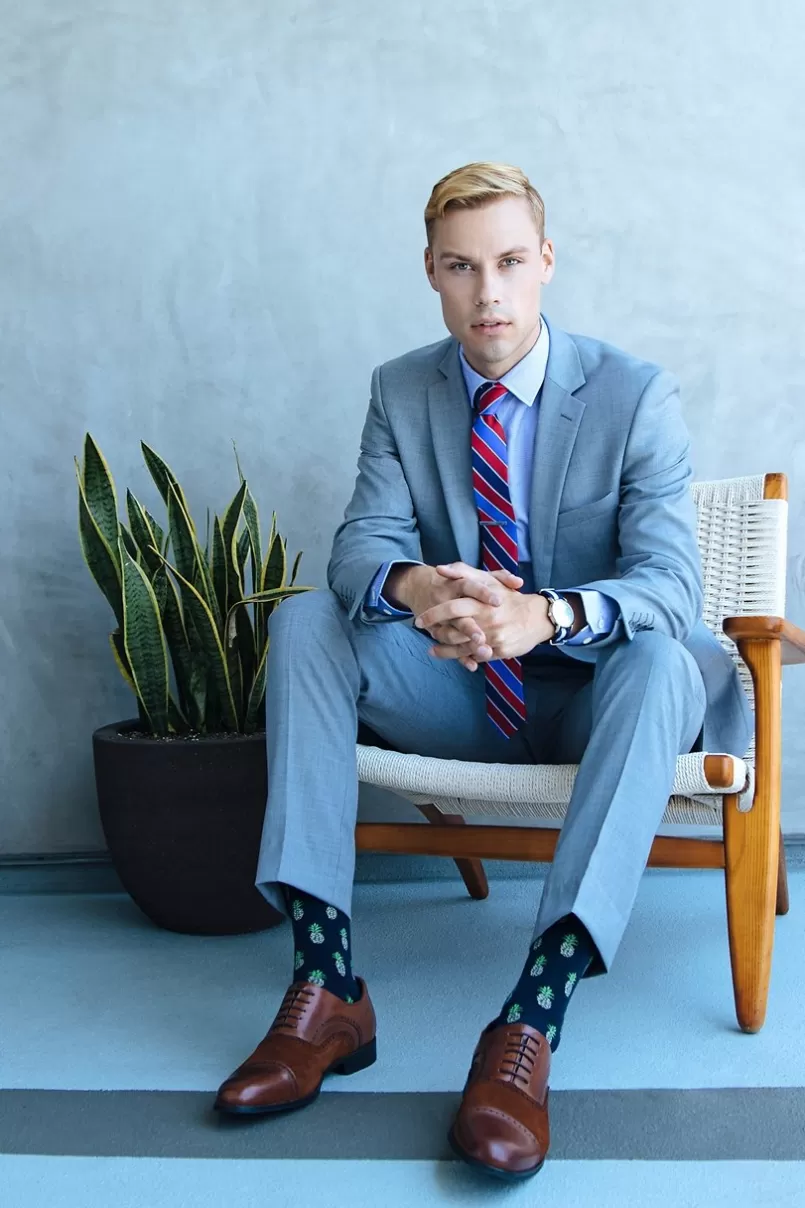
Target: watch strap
column 562, row 631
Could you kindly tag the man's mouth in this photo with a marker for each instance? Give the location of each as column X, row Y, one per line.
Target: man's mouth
column 490, row 325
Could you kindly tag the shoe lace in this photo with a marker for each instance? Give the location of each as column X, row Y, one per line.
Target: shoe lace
column 293, row 1008
column 519, row 1058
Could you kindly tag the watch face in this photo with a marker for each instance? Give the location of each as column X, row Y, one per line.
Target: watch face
column 563, row 614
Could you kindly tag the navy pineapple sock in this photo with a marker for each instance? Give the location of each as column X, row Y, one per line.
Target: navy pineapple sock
column 557, row 960
column 322, row 944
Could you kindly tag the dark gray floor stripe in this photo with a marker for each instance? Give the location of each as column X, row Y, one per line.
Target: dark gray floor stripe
column 644, row 1125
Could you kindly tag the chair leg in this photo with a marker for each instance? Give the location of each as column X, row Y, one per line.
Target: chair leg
column 472, row 871
column 782, row 880
column 751, row 846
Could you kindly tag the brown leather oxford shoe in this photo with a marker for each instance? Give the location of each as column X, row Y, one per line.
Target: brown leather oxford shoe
column 313, row 1034
column 502, row 1123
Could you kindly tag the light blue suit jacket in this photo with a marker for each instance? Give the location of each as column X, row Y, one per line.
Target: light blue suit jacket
column 611, row 507
column 518, row 412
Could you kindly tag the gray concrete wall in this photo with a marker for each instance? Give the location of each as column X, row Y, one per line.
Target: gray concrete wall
column 210, row 227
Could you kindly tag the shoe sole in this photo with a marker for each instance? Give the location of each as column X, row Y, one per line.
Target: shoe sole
column 507, row 1176
column 361, row 1059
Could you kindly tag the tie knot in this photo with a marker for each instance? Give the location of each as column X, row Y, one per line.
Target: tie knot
column 487, row 395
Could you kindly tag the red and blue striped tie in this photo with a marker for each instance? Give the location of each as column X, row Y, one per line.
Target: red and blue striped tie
column 505, row 702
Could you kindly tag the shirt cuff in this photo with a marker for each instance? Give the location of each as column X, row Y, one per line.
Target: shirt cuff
column 601, row 613
column 375, row 602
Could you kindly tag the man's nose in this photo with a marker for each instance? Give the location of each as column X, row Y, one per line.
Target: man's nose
column 488, row 290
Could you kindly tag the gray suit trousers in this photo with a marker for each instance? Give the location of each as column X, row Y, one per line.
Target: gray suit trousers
column 624, row 719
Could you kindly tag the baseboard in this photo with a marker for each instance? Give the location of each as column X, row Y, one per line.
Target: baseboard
column 92, row 872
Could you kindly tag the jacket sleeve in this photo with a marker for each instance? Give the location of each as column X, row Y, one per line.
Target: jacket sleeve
column 379, row 523
column 658, row 584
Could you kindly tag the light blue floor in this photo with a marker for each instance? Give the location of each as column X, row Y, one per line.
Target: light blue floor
column 143, row 1183
column 94, row 997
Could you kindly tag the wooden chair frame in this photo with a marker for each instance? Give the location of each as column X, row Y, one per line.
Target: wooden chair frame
column 751, row 850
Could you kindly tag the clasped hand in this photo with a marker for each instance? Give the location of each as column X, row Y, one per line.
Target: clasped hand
column 475, row 632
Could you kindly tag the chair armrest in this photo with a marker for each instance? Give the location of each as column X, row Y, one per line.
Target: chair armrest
column 768, row 629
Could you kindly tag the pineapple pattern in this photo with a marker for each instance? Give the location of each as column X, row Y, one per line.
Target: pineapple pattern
column 322, row 944
column 546, row 984
column 569, row 945
column 545, row 997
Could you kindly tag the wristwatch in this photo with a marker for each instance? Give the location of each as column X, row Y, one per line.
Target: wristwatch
column 560, row 611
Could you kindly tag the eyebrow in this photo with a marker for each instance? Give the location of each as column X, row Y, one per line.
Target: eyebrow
column 468, row 260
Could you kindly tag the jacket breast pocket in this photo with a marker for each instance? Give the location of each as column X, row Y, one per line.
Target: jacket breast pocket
column 589, row 511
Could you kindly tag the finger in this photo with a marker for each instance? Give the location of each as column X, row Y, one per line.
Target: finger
column 456, row 570
column 447, row 652
column 506, row 576
column 449, row 635
column 469, row 626
column 460, row 570
column 461, row 606
column 477, row 589
column 478, row 654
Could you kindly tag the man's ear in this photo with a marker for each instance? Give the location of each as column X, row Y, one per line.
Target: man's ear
column 548, row 261
column 429, row 269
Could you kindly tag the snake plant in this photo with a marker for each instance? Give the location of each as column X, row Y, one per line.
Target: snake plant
column 192, row 612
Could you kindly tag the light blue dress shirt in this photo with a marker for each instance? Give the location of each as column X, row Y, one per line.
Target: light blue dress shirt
column 518, row 412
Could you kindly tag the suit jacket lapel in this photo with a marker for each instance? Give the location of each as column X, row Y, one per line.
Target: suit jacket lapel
column 557, row 427
column 450, row 417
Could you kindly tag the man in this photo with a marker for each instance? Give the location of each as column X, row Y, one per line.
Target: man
column 523, row 496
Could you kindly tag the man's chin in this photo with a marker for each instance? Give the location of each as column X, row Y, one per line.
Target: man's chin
column 490, row 350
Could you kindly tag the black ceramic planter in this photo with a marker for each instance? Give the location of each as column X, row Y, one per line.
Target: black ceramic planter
column 183, row 819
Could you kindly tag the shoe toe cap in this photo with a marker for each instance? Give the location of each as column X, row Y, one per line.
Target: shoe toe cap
column 258, row 1088
column 494, row 1138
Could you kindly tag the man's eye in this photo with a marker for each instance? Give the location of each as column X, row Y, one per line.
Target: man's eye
column 512, row 260
column 459, row 265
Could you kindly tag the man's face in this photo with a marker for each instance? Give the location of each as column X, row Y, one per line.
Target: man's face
column 488, row 267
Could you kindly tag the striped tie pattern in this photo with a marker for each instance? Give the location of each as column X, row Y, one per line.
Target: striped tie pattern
column 505, row 701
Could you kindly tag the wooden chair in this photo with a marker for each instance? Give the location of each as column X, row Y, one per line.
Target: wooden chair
column 742, row 534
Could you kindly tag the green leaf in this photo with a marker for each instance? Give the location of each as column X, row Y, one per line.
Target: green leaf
column 189, row 558
column 148, row 542
column 191, row 701
column 144, row 642
column 274, row 567
column 218, row 567
column 277, row 593
column 164, row 478
column 252, row 519
column 256, row 701
column 99, row 493
column 104, row 566
column 216, row 664
column 229, row 528
column 119, row 653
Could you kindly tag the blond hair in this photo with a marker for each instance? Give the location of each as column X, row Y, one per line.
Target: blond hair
column 476, row 185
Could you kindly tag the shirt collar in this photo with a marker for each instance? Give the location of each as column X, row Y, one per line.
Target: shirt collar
column 524, row 380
